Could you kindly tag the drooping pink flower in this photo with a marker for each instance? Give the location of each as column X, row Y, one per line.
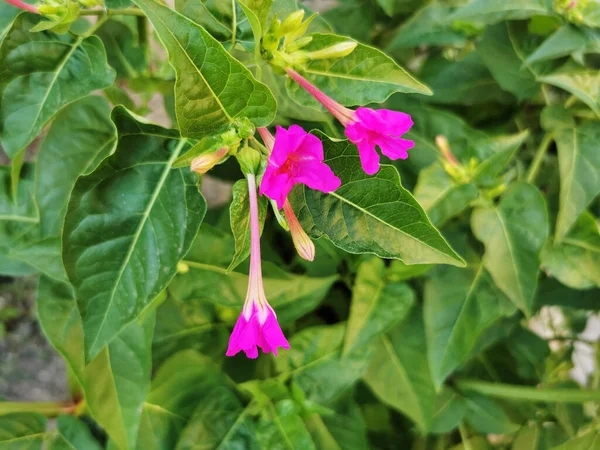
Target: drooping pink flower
column 257, row 325
column 297, row 157
column 366, row 128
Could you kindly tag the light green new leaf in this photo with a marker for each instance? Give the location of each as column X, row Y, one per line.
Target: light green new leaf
column 316, row 364
column 366, row 75
column 492, row 11
column 460, row 305
column 377, row 304
column 514, row 233
column 370, row 214
column 212, row 87
column 581, row 82
column 399, row 372
column 22, row 431
column 115, row 383
column 257, row 12
column 579, row 164
column 239, row 214
column 81, row 136
column 127, row 226
column 587, row 441
column 440, row 196
column 41, row 74
column 220, row 421
column 503, row 50
column 575, row 261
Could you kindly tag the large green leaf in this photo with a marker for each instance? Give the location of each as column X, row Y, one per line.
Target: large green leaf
column 579, row 163
column 22, row 431
column 583, row 83
column 72, row 434
column 115, row 383
column 366, row 75
column 127, row 226
column 377, row 304
column 316, row 364
column 564, row 41
column 212, row 87
column 81, row 136
column 40, row 74
column 575, row 261
column 440, row 196
column 514, row 233
column 459, row 306
column 491, row 11
column 485, row 416
column 124, row 51
column 504, row 50
column 239, row 216
column 370, row 214
column 399, row 372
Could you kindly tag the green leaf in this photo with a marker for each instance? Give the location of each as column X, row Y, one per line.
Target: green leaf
column 460, row 305
column 587, row 441
column 219, row 421
column 239, row 213
column 81, row 136
column 8, row 13
column 431, row 25
column 551, row 292
column 366, row 75
column 127, row 226
column 579, row 164
column 370, row 214
column 281, row 422
column 503, row 49
column 581, row 82
column 42, row 74
column 514, row 233
column 316, row 364
column 575, row 261
column 399, row 372
column 124, row 49
column 216, row 17
column 503, row 150
column 449, row 411
column 117, row 4
column 257, row 12
column 352, row 18
column 73, row 434
column 42, row 254
column 464, row 82
column 485, row 416
column 539, row 437
column 489, row 12
column 440, row 196
column 180, row 384
column 564, row 41
column 377, row 304
column 115, row 383
column 212, row 87
column 22, row 431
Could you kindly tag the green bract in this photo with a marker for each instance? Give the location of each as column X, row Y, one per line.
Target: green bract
column 453, row 296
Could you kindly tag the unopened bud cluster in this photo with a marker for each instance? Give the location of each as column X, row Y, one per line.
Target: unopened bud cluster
column 62, row 13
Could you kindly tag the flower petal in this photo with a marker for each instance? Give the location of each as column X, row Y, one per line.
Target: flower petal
column 311, row 148
column 369, row 158
column 276, row 185
column 384, row 121
column 244, row 337
column 273, row 334
column 319, row 176
column 393, row 147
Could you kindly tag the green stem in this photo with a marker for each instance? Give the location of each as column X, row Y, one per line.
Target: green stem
column 48, row 409
column 233, row 24
column 536, row 164
column 529, row 393
column 464, row 436
column 115, row 12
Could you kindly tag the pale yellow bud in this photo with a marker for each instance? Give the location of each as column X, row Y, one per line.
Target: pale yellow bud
column 335, row 51
column 204, row 163
column 304, row 246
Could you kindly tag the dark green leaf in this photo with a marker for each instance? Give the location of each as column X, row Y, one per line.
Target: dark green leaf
column 366, row 75
column 22, row 431
column 73, row 434
column 460, row 305
column 539, row 437
column 489, row 12
column 504, row 150
column 579, row 163
column 41, row 74
column 514, row 233
column 587, row 441
column 81, row 136
column 353, row 18
column 399, row 372
column 448, row 413
column 370, row 214
column 123, row 47
column 239, row 213
column 212, row 87
column 216, row 17
column 440, row 196
column 564, row 41
column 316, row 364
column 485, row 416
column 127, row 226
column 281, row 427
column 377, row 304
column 551, row 292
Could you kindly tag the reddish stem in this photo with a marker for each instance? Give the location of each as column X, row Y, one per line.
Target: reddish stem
column 23, row 5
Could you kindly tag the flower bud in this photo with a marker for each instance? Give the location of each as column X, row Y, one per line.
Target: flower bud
column 304, row 246
column 299, row 44
column 444, row 147
column 270, row 42
column 335, row 51
column 207, row 161
column 291, row 22
column 249, row 160
column 89, row 3
column 47, row 10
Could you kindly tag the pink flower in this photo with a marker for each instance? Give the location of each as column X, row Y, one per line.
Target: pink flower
column 23, row 5
column 257, row 325
column 366, row 128
column 297, row 157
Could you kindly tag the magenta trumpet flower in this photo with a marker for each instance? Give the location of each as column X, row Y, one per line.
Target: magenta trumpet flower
column 296, row 157
column 366, row 128
column 257, row 325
